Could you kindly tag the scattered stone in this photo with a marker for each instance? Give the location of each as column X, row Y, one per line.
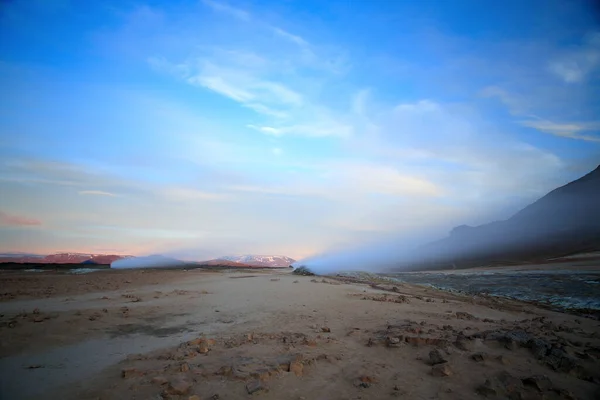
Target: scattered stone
column 128, row 372
column 479, row 357
column 179, row 386
column 502, row 360
column 36, row 311
column 296, row 281
column 274, row 279
column 35, row 366
column 465, row 315
column 370, row 342
column 436, row 357
column 297, row 368
column 194, row 397
column 325, row 329
column 502, row 385
column 104, row 310
column 255, row 386
column 540, row 382
column 393, row 341
column 159, row 380
column 185, row 367
column 365, row 381
column 441, row 370
column 91, row 318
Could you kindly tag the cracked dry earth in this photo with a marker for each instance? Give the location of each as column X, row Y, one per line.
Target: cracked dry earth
column 273, row 335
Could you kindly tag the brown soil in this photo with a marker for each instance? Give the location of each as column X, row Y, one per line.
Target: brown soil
column 178, row 334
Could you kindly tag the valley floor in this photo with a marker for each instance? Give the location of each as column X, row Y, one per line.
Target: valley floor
column 274, row 335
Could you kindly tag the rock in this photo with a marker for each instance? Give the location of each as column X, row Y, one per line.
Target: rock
column 540, row 382
column 36, row 311
column 159, row 380
column 179, row 386
column 254, row 386
column 465, row 315
column 325, row 329
column 128, row 372
column 393, row 341
column 424, row 341
column 539, row 347
column 502, row 360
column 297, row 368
column 503, row 385
column 479, row 357
column 461, row 344
column 185, row 367
column 486, row 390
column 365, row 381
column 194, row 397
column 436, row 357
column 441, row 370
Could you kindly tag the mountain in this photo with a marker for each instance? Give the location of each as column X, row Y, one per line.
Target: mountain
column 563, row 222
column 152, row 261
column 261, row 261
column 60, row 258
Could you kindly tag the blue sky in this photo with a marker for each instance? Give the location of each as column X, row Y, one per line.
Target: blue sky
column 203, row 128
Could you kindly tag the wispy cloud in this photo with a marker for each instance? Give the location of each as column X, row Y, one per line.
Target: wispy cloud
column 96, row 193
column 223, row 7
column 190, row 194
column 574, row 65
column 568, row 130
column 17, row 220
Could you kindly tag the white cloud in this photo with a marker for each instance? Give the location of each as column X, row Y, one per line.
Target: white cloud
column 227, row 9
column 568, row 130
column 575, row 65
column 331, row 128
column 190, row 194
column 96, row 193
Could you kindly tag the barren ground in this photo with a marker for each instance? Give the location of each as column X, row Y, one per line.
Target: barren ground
column 179, row 334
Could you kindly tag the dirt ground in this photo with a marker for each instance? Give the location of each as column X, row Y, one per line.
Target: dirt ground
column 273, row 335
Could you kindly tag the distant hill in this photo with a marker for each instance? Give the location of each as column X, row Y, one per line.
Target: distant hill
column 60, row 258
column 152, row 261
column 261, row 260
column 565, row 221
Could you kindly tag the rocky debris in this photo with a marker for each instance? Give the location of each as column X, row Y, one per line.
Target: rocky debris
column 275, row 280
column 465, row 315
column 541, row 382
column 36, row 311
column 365, row 381
column 128, row 373
column 392, row 341
column 296, row 367
column 201, row 345
column 296, row 281
column 441, row 370
column 304, row 271
column 325, row 329
column 179, row 386
column 194, row 397
column 425, row 341
column 502, row 385
column 461, row 344
column 185, row 367
column 159, row 380
column 255, row 386
column 436, row 357
column 479, row 357
column 388, row 298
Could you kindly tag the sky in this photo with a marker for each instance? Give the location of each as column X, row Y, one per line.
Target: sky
column 204, row 128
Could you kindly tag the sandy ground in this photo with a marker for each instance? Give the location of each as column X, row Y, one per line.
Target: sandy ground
column 274, row 335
